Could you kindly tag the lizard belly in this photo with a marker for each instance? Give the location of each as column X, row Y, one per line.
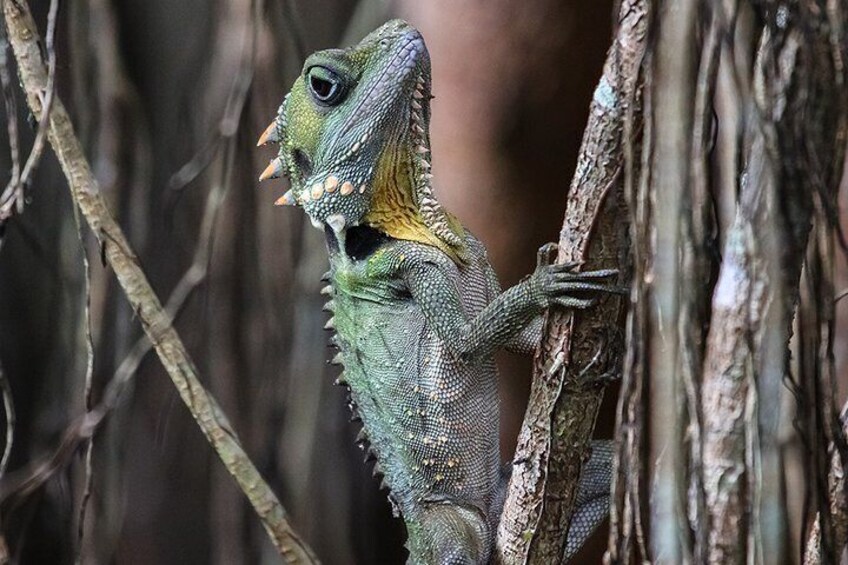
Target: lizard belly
column 432, row 421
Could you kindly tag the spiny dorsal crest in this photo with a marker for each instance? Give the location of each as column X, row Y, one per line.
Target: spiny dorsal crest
column 431, row 210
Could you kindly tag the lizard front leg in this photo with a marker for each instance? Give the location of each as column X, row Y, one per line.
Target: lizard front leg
column 529, row 337
column 434, row 288
column 527, row 340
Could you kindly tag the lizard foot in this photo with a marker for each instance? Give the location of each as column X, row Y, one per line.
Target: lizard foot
column 560, row 284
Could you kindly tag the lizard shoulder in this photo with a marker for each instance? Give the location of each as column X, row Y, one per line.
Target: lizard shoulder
column 411, row 256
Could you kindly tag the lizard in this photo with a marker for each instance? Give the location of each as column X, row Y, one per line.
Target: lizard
column 417, row 309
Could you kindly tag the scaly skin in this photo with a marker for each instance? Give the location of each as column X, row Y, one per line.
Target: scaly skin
column 418, row 311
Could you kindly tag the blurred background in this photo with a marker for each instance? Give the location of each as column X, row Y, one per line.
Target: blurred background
column 169, row 99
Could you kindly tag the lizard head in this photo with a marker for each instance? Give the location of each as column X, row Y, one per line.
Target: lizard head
column 355, row 143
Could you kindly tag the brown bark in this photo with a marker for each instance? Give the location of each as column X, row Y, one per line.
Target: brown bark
column 627, row 536
column 746, row 358
column 673, row 90
column 578, row 350
column 838, row 512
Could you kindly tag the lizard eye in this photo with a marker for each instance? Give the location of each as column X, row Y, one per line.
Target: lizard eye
column 326, row 86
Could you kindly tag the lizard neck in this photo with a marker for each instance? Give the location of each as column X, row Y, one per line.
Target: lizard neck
column 393, row 208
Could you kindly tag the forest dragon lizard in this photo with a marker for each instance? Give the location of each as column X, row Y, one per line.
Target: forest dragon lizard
column 417, row 309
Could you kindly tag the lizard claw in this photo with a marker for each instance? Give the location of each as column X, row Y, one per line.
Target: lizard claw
column 546, row 254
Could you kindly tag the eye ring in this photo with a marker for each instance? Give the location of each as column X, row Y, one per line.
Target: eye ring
column 325, row 86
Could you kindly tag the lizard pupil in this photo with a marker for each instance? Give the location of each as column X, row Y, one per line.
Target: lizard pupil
column 324, row 90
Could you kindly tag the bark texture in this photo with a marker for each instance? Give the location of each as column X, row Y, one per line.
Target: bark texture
column 752, row 307
column 742, row 153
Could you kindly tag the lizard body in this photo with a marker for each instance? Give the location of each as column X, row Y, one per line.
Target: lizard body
column 417, row 308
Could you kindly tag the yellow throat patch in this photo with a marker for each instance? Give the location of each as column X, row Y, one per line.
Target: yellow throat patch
column 393, row 210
